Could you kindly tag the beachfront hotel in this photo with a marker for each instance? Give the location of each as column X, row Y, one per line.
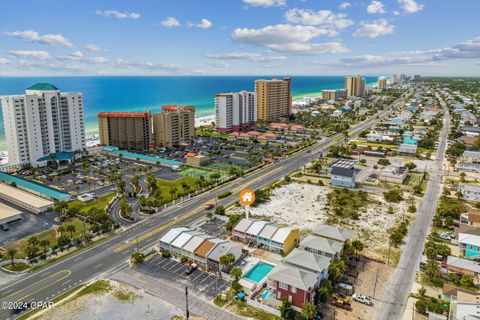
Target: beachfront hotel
column 355, row 86
column 174, row 126
column 235, row 111
column 382, row 83
column 41, row 122
column 125, row 130
column 274, row 100
column 139, row 131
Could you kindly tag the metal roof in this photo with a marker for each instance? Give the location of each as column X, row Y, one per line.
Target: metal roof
column 307, row 260
column 42, row 86
column 331, row 232
column 294, row 277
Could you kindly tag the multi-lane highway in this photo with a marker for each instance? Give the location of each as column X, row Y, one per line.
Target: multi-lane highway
column 400, row 283
column 114, row 253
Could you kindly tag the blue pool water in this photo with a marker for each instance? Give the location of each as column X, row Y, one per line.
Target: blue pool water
column 115, row 150
column 265, row 294
column 258, row 272
column 34, row 187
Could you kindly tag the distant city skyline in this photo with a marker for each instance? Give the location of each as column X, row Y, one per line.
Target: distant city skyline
column 240, row 37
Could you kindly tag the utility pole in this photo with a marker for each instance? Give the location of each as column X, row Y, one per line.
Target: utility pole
column 187, row 313
column 388, row 258
column 375, row 286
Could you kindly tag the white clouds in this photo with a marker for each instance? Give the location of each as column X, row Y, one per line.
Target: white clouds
column 374, row 29
column 118, row 14
column 376, row 7
column 249, row 56
column 33, row 36
column 32, row 54
column 219, row 64
column 410, row 6
column 95, row 59
column 4, row 61
column 266, row 3
column 292, row 39
column 344, row 5
column 325, row 18
column 170, row 22
column 396, row 13
column 77, row 54
column 93, row 47
column 204, row 24
column 147, row 65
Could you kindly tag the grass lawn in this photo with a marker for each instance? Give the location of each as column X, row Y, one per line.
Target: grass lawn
column 165, row 187
column 99, row 203
column 17, row 267
column 22, row 244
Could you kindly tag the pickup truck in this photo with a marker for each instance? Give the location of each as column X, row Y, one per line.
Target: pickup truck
column 340, row 304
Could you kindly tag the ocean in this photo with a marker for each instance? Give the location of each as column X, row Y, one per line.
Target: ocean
column 139, row 93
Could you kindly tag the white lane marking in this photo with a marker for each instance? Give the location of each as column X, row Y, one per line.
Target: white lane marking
column 98, row 266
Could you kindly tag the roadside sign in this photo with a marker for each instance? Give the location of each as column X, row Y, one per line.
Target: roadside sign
column 247, row 197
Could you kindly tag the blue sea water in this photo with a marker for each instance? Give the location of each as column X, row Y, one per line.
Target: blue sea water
column 139, row 93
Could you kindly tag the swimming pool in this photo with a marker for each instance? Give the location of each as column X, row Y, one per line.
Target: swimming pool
column 258, row 272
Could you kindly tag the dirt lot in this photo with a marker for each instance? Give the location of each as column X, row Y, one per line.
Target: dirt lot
column 365, row 284
column 305, row 206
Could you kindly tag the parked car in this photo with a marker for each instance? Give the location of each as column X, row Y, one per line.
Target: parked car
column 362, row 299
column 209, row 206
column 447, row 235
column 341, row 304
column 422, row 265
column 191, row 269
column 5, row 227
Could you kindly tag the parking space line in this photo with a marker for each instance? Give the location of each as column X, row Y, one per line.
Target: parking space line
column 181, row 266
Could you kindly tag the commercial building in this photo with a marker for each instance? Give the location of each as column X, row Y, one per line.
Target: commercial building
column 174, row 126
column 125, row 130
column 24, row 199
column 274, row 100
column 329, row 95
column 394, row 174
column 382, row 83
column 40, row 122
column 235, row 111
column 8, row 214
column 355, row 86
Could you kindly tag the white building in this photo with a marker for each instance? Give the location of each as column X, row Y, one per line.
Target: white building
column 235, row 111
column 470, row 192
column 42, row 121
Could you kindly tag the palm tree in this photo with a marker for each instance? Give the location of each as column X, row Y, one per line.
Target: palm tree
column 71, row 229
column 236, row 273
column 59, row 208
column 45, row 243
column 31, row 252
column 11, row 252
column 358, row 246
column 61, row 229
column 33, row 241
column 431, row 268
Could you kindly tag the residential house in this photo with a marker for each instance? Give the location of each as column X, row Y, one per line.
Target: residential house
column 265, row 237
column 468, row 166
column 254, row 230
column 202, row 251
column 470, row 131
column 296, row 285
column 450, row 291
column 224, row 248
column 343, row 174
column 176, row 247
column 467, row 306
column 240, row 229
column 167, row 239
column 464, row 267
column 394, row 174
column 468, row 141
column 308, row 261
column 321, row 246
column 471, row 218
column 333, row 233
column 407, row 149
column 284, row 240
column 192, row 245
column 469, row 241
column 470, row 192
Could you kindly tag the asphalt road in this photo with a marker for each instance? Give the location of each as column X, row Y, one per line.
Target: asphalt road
column 398, row 287
column 114, row 253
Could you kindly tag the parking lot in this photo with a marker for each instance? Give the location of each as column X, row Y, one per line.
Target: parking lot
column 214, row 227
column 173, row 271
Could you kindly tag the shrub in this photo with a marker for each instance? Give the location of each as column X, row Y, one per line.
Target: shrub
column 224, row 195
column 394, row 195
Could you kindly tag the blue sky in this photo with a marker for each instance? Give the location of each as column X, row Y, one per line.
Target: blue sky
column 239, row 37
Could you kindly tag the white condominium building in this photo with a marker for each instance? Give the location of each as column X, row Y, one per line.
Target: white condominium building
column 235, row 111
column 42, row 121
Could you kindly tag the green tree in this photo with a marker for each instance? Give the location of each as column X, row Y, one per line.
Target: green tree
column 358, row 246
column 11, row 253
column 33, row 241
column 467, row 281
column 71, row 228
column 45, row 243
column 422, row 291
column 309, row 311
column 410, row 166
column 236, row 273
column 421, row 306
column 431, row 268
column 59, row 208
column 286, row 310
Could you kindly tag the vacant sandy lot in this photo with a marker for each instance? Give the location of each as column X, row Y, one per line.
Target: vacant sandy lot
column 305, row 205
column 106, row 306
